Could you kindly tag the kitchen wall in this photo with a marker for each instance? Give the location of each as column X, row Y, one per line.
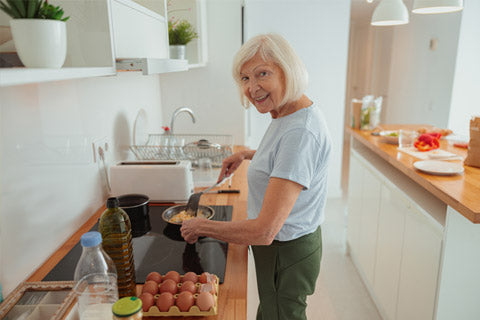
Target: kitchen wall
column 319, row 32
column 466, row 80
column 48, row 181
column 210, row 91
column 420, row 77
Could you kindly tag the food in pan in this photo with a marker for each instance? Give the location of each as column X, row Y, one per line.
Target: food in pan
column 184, row 216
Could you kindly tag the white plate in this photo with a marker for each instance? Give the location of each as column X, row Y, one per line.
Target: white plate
column 388, row 138
column 441, row 168
column 140, row 128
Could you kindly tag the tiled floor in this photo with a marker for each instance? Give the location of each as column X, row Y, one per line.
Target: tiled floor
column 340, row 293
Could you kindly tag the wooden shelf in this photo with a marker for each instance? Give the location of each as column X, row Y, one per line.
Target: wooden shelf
column 19, row 76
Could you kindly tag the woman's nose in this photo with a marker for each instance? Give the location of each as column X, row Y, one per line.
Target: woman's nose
column 253, row 86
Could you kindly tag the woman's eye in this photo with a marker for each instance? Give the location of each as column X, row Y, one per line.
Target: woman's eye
column 263, row 73
column 244, row 79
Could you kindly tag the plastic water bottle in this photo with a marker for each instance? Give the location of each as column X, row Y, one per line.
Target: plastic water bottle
column 116, row 232
column 96, row 280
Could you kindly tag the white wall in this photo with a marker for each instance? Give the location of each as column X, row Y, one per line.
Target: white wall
column 49, row 184
column 421, row 80
column 467, row 80
column 210, row 91
column 318, row 31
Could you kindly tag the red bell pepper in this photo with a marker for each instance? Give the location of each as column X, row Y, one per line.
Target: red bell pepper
column 428, row 141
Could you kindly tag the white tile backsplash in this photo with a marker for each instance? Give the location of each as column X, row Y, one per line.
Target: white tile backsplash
column 48, row 181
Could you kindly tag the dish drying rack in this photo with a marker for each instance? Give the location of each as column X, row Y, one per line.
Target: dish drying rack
column 185, row 147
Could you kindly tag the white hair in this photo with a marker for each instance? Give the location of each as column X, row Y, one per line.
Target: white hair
column 274, row 48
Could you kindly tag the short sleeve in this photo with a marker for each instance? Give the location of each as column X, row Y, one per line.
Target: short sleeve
column 296, row 157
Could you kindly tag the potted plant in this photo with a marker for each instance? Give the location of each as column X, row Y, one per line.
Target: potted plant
column 39, row 32
column 179, row 34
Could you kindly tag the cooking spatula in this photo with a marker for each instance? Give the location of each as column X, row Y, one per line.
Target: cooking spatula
column 192, row 205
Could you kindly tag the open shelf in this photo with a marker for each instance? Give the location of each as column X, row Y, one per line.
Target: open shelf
column 19, row 76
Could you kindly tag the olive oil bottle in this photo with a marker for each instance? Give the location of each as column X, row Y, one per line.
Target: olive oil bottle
column 116, row 233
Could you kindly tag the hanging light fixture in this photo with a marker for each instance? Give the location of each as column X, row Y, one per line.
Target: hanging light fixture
column 436, row 6
column 390, row 13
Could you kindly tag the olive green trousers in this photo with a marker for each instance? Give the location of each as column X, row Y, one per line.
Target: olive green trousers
column 286, row 274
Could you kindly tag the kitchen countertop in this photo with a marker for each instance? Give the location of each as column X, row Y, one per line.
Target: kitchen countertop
column 459, row 191
column 232, row 297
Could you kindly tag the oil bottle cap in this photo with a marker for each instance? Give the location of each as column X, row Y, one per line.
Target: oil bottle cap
column 127, row 306
column 91, row 239
column 112, row 203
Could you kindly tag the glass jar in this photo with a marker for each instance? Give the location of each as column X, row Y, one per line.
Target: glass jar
column 127, row 308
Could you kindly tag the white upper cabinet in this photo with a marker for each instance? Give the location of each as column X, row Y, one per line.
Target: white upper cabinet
column 89, row 45
column 106, row 36
column 194, row 11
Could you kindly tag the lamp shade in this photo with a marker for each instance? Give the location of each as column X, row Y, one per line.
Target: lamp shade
column 436, row 6
column 390, row 13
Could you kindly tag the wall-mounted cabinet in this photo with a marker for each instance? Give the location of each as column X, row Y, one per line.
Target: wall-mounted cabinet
column 106, row 36
column 195, row 12
column 89, row 46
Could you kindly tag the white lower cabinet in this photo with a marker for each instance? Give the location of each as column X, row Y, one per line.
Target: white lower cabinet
column 391, row 227
column 422, row 248
column 396, row 245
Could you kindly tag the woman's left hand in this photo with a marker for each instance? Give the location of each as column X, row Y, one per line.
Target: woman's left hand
column 189, row 230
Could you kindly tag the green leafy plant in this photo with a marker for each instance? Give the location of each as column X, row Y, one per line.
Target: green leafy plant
column 181, row 32
column 32, row 9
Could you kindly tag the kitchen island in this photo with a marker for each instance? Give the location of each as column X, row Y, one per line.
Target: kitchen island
column 232, row 296
column 413, row 236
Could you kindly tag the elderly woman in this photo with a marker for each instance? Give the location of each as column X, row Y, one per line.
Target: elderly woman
column 287, row 179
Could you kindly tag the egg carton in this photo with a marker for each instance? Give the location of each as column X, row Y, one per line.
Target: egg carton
column 193, row 311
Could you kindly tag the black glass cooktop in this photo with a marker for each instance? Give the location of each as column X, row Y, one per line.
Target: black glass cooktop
column 162, row 249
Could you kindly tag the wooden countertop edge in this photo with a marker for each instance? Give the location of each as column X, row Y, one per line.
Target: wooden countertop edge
column 411, row 173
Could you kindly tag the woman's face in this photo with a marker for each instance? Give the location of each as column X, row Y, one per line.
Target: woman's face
column 263, row 83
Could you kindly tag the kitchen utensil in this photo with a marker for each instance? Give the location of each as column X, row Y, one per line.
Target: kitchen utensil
column 206, row 211
column 192, row 204
column 224, row 191
column 136, row 206
column 440, row 168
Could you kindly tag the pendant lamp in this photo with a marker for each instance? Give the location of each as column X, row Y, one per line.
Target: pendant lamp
column 390, row 13
column 436, row 6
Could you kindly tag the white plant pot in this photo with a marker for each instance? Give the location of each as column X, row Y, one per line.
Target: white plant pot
column 177, row 52
column 40, row 43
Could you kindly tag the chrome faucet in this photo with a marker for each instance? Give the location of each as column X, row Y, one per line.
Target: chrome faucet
column 177, row 112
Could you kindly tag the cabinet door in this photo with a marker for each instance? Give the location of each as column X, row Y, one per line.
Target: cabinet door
column 420, row 265
column 371, row 189
column 355, row 184
column 391, row 227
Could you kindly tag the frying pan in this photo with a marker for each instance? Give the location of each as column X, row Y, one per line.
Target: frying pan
column 207, row 212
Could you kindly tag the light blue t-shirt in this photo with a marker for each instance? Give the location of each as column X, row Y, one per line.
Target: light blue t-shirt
column 295, row 147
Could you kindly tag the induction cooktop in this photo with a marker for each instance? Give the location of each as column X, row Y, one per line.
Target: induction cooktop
column 162, row 249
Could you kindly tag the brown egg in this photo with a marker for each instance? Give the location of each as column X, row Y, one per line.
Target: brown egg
column 188, row 286
column 205, row 301
column 190, row 276
column 207, row 277
column 150, row 287
column 184, row 301
column 207, row 287
column 154, row 276
column 147, row 300
column 164, row 301
column 168, row 286
column 174, row 275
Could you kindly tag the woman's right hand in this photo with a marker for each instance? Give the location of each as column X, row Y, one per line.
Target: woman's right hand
column 230, row 164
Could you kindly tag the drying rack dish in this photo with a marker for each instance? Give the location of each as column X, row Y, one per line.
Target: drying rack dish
column 185, row 147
